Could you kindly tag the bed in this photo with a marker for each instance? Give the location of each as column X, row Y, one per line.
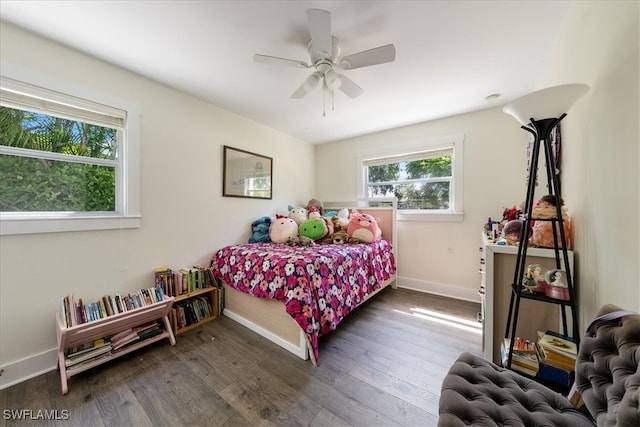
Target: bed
column 293, row 295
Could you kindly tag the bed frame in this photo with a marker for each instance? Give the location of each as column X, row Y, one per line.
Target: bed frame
column 268, row 317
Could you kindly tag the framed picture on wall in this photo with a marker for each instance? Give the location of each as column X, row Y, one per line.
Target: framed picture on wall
column 246, row 174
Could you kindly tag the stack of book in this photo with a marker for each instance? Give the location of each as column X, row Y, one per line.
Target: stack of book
column 133, row 335
column 105, row 347
column 87, row 353
column 524, row 358
column 557, row 354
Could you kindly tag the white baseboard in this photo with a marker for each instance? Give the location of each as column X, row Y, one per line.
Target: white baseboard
column 27, row 368
column 300, row 350
column 442, row 289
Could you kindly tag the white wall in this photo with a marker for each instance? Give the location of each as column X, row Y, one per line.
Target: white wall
column 442, row 257
column 184, row 216
column 601, row 137
column 600, row 176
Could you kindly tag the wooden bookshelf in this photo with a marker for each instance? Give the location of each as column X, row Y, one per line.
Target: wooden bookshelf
column 74, row 336
column 210, row 295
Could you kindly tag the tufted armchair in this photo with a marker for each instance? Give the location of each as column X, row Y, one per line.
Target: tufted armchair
column 480, row 393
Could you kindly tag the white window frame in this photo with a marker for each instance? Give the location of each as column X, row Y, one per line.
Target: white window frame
column 455, row 213
column 127, row 212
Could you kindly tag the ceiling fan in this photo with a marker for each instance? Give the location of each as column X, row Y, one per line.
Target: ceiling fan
column 326, row 61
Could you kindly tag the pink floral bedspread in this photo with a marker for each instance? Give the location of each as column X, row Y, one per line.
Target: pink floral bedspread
column 319, row 285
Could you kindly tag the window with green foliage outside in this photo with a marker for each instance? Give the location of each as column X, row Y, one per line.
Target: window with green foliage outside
column 54, row 164
column 420, row 181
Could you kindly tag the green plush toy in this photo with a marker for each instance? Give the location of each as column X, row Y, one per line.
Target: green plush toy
column 315, row 228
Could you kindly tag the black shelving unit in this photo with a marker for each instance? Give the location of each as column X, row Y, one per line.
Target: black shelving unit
column 541, row 131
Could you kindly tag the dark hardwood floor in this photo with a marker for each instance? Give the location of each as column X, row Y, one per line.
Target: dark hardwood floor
column 382, row 367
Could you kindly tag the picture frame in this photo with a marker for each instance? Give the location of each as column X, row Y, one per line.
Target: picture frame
column 246, row 174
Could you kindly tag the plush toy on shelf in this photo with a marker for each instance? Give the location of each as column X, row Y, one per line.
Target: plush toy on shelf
column 542, row 231
column 511, row 232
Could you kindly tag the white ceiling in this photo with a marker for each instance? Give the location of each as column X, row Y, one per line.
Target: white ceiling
column 449, row 54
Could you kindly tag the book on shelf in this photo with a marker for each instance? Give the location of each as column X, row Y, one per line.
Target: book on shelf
column 183, row 281
column 135, row 334
column 521, row 345
column 123, row 337
column 147, row 328
column 73, row 314
column 82, row 316
column 79, row 365
column 76, row 351
column 87, row 355
column 63, row 312
column 558, row 347
column 107, row 304
column 522, row 361
column 548, row 358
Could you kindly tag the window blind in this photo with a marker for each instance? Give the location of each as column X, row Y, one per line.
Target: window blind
column 17, row 95
column 429, row 154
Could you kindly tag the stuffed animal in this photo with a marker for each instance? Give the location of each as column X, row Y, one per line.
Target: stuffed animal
column 315, row 203
column 341, row 220
column 341, row 238
column 298, row 214
column 542, row 231
column 363, row 227
column 314, row 212
column 260, row 230
column 316, row 228
column 299, row 241
column 282, row 228
column 511, row 231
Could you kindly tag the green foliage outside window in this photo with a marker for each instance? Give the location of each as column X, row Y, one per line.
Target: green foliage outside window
column 32, row 184
column 418, row 184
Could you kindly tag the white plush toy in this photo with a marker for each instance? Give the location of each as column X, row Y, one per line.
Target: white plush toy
column 298, row 214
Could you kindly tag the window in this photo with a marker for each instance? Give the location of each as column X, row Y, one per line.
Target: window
column 425, row 177
column 66, row 163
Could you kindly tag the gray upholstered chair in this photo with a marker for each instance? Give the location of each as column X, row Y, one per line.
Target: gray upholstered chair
column 480, row 393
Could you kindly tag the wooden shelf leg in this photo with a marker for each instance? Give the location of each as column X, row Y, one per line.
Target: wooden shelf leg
column 167, row 325
column 63, row 373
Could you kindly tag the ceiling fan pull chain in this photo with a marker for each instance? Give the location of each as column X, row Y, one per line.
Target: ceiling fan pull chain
column 324, row 110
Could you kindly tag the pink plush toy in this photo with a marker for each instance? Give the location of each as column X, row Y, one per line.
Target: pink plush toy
column 363, row 227
column 282, row 228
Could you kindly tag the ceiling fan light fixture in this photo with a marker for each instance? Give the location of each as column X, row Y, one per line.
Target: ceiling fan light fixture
column 332, row 80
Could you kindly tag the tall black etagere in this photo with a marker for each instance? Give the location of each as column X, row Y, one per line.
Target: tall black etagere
column 523, row 110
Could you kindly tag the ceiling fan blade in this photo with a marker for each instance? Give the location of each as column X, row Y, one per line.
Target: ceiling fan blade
column 320, row 30
column 349, row 88
column 310, row 85
column 266, row 59
column 378, row 55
